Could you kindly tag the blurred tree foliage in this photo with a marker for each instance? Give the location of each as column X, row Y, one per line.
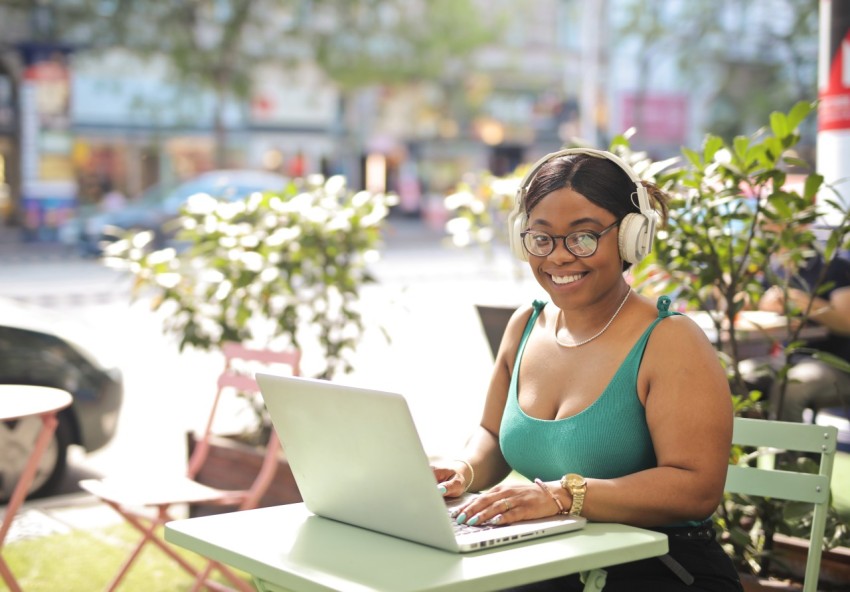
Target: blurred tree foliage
column 758, row 56
column 220, row 44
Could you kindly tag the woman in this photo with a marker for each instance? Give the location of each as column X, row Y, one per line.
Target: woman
column 614, row 408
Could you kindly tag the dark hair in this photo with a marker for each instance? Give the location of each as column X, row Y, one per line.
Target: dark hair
column 600, row 180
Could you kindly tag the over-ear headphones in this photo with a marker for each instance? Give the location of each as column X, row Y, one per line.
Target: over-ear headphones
column 636, row 232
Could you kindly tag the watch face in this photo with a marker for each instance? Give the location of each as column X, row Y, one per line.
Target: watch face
column 575, row 480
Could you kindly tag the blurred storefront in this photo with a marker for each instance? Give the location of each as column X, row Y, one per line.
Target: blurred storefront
column 293, row 123
column 127, row 125
column 133, row 128
column 557, row 76
column 48, row 186
column 7, row 152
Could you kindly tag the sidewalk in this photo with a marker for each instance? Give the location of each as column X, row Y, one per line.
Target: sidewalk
column 15, row 249
column 60, row 515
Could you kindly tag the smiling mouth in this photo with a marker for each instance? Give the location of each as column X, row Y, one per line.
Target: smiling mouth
column 566, row 279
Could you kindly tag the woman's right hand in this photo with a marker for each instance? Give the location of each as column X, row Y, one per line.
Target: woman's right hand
column 452, row 478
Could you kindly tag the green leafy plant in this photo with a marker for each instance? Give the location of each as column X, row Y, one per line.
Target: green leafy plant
column 273, row 269
column 481, row 204
column 733, row 207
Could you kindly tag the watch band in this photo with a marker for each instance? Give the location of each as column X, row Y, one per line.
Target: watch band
column 577, row 486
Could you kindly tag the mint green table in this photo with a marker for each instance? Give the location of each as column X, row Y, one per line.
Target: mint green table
column 289, row 548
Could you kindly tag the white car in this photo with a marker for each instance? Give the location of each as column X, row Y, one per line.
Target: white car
column 39, row 347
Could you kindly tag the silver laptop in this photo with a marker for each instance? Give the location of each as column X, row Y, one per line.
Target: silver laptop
column 357, row 458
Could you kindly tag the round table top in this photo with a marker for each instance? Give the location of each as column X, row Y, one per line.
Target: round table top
column 23, row 400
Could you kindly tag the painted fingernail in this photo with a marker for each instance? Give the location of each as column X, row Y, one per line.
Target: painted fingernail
column 474, row 520
column 496, row 519
column 454, row 513
column 461, row 518
column 441, row 488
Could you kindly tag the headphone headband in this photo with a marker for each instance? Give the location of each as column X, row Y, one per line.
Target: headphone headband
column 643, row 198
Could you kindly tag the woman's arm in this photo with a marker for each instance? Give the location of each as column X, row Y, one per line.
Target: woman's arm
column 832, row 313
column 689, row 414
column 482, row 450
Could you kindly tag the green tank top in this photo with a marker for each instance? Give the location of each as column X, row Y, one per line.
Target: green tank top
column 606, row 440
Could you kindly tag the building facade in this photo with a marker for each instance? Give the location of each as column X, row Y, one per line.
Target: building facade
column 560, row 73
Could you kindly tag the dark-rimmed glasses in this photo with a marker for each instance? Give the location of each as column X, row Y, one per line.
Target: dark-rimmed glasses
column 581, row 244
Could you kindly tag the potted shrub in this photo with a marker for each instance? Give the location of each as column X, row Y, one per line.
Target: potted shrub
column 273, row 270
column 732, row 207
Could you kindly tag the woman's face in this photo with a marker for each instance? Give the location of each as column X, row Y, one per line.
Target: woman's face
column 573, row 281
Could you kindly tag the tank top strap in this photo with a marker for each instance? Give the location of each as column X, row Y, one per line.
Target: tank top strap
column 636, row 354
column 663, row 306
column 537, row 307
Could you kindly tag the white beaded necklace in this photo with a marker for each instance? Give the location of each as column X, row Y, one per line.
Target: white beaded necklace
column 605, row 328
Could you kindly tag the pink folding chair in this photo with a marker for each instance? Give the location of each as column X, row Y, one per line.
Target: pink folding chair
column 147, row 504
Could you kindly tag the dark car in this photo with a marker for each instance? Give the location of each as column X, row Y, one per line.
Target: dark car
column 159, row 205
column 40, row 348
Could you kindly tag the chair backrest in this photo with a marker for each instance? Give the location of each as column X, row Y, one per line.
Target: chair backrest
column 494, row 320
column 240, row 364
column 762, row 480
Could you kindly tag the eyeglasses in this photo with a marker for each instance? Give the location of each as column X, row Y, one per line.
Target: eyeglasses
column 581, row 244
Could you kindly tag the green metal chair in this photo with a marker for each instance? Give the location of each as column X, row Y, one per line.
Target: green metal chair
column 762, row 480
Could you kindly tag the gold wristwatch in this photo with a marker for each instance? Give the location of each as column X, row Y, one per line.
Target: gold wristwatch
column 577, row 487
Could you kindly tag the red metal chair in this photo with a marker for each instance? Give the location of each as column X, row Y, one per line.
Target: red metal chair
column 147, row 503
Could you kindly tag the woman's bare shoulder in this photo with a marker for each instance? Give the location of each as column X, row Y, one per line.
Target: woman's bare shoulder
column 682, row 325
column 675, row 330
column 678, row 338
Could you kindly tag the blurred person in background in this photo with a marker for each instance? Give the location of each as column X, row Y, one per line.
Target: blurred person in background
column 812, row 384
column 112, row 200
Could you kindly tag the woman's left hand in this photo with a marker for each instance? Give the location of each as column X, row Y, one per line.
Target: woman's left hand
column 506, row 504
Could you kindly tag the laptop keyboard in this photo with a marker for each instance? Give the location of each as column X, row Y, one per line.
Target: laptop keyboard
column 466, row 528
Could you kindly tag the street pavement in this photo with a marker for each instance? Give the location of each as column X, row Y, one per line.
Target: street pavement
column 423, row 340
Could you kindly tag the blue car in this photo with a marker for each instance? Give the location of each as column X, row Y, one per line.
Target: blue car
column 158, row 206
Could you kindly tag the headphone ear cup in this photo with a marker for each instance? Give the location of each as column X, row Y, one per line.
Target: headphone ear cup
column 634, row 238
column 516, row 224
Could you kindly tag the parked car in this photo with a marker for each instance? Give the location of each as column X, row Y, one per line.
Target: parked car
column 38, row 347
column 156, row 207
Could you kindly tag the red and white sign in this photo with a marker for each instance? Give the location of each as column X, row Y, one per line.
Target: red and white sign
column 834, row 67
column 834, row 109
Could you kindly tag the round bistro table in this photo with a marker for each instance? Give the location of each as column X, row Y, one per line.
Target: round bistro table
column 19, row 401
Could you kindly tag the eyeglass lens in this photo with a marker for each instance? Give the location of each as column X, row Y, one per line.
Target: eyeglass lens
column 580, row 244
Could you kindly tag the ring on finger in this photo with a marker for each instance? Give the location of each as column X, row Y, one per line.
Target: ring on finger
column 507, row 505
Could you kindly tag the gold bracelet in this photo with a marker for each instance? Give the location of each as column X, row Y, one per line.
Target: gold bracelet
column 552, row 495
column 471, row 473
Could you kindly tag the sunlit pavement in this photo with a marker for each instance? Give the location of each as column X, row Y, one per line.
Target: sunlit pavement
column 424, row 302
